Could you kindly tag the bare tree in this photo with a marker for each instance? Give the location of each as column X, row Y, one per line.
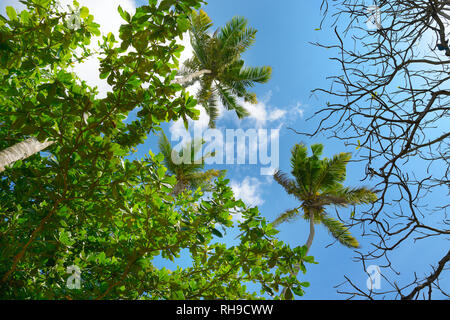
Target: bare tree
column 391, row 102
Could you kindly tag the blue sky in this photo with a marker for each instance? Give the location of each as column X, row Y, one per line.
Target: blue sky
column 285, row 30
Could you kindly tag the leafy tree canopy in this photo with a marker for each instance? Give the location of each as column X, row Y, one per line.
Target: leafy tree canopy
column 82, row 204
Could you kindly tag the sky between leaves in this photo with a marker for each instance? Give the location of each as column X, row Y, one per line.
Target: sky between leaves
column 285, row 30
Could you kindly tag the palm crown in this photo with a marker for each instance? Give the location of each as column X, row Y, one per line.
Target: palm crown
column 189, row 174
column 317, row 183
column 217, row 58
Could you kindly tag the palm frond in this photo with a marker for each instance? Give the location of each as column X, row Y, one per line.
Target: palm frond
column 345, row 196
column 248, row 76
column 231, row 80
column 230, row 102
column 230, row 33
column 334, row 172
column 339, row 231
column 213, row 114
column 288, row 184
column 244, row 40
column 166, row 149
column 189, row 66
column 300, row 167
column 208, row 99
column 286, row 216
column 206, row 89
column 188, row 152
column 317, row 150
column 200, row 22
column 198, row 47
column 238, row 89
column 204, row 180
column 250, row 97
column 200, row 39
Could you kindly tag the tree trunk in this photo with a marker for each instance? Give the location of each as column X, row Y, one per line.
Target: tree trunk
column 20, row 151
column 311, row 233
column 308, row 245
column 190, row 77
column 179, row 188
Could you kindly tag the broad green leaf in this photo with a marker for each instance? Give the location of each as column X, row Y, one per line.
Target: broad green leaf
column 216, row 232
column 288, row 294
column 84, row 12
column 11, row 12
column 125, row 15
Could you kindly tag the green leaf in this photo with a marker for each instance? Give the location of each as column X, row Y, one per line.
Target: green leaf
column 64, row 238
column 298, row 291
column 304, row 284
column 288, row 294
column 11, row 12
column 272, row 263
column 84, row 12
column 125, row 15
column 216, row 232
column 94, row 28
column 166, row 4
column 309, row 259
column 25, row 16
column 183, row 24
column 101, row 257
column 161, row 172
column 178, row 295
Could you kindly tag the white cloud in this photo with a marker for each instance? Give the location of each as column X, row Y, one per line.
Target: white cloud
column 249, row 190
column 297, row 110
column 106, row 15
column 276, row 114
column 188, row 51
column 264, row 115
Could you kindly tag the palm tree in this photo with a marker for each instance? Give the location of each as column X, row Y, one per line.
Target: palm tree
column 189, row 174
column 317, row 183
column 217, row 64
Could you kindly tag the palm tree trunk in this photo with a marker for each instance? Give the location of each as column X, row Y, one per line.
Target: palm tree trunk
column 311, row 233
column 191, row 77
column 308, row 244
column 179, row 188
column 21, row 150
